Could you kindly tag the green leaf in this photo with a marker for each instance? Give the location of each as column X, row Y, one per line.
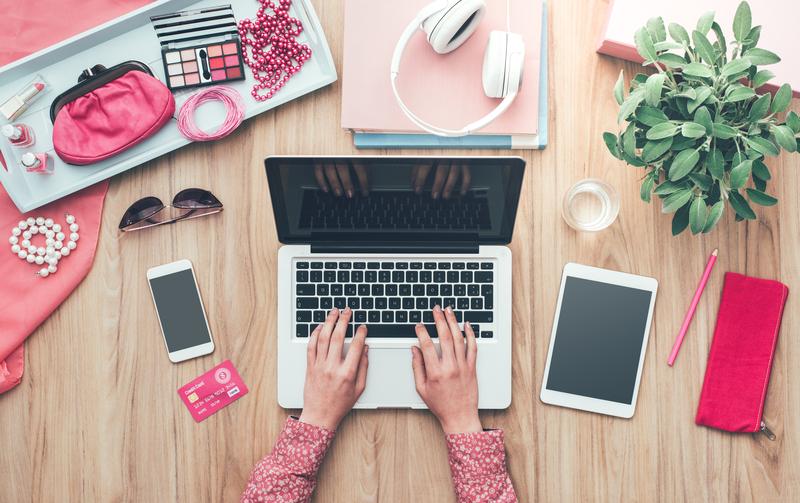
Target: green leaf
column 762, row 77
column 736, row 66
column 713, row 216
column 611, row 142
column 644, row 45
column 680, row 221
column 739, row 94
column 678, row 33
column 703, row 117
column 618, row 88
column 705, row 22
column 683, row 164
column 633, row 160
column 701, row 180
column 652, row 88
column 761, row 145
column 704, row 47
column 724, row 132
column 676, row 200
column 761, row 198
column 668, row 187
column 760, row 57
column 702, row 95
column 742, row 22
column 760, row 184
column 661, row 131
column 752, row 38
column 740, row 174
column 655, row 25
column 671, row 60
column 697, row 70
column 782, row 98
column 655, row 149
column 785, row 137
column 715, row 163
column 629, row 140
column 646, row 189
column 651, row 116
column 693, row 130
column 629, row 105
column 760, row 170
column 697, row 215
column 760, row 107
column 793, row 121
column 666, row 46
column 740, row 206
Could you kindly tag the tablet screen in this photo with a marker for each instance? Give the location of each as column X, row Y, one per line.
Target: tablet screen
column 598, row 341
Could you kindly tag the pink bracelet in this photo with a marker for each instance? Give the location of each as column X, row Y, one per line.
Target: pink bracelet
column 234, row 106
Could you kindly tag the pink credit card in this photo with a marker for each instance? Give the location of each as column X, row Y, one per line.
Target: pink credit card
column 212, row 391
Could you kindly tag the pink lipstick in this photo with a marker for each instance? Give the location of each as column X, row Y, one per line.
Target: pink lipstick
column 18, row 103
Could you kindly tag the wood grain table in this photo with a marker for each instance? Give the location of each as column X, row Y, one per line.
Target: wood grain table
column 97, row 417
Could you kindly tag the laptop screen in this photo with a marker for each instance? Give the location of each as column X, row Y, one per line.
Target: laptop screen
column 424, row 199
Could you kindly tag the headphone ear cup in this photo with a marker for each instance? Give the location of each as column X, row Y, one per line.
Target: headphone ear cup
column 453, row 25
column 502, row 64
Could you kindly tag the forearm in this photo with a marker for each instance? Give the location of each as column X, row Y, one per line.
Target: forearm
column 288, row 473
column 478, row 467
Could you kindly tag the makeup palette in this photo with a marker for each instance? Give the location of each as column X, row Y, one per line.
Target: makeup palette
column 199, row 47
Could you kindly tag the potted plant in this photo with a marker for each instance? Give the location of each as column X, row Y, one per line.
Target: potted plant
column 699, row 127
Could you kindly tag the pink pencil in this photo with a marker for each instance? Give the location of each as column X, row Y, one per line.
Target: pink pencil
column 689, row 314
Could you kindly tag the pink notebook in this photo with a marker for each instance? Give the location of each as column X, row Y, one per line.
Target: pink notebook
column 627, row 16
column 443, row 89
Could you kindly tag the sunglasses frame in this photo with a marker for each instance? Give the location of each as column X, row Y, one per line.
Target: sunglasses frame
column 187, row 212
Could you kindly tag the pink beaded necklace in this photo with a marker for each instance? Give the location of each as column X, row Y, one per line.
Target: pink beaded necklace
column 276, row 54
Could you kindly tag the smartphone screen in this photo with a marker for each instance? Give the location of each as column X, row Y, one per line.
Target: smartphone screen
column 180, row 310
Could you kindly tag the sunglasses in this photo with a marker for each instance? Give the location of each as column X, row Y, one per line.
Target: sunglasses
column 188, row 203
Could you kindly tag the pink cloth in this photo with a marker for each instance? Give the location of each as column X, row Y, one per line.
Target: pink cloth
column 288, row 474
column 27, row 300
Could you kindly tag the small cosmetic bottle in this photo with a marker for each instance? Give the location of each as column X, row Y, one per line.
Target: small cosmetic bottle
column 16, row 105
column 38, row 162
column 19, row 135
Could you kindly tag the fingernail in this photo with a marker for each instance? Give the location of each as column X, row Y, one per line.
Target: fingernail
column 350, row 194
column 449, row 309
column 347, row 310
column 437, row 308
column 435, row 195
column 335, row 310
column 325, row 190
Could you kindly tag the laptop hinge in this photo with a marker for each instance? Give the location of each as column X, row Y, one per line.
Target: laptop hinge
column 396, row 248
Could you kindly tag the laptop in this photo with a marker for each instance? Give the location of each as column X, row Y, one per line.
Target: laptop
column 391, row 237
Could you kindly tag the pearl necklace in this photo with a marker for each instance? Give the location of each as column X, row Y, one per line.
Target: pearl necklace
column 55, row 247
column 276, row 53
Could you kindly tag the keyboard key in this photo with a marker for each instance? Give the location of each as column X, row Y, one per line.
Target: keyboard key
column 430, row 265
column 357, row 276
column 359, row 265
column 302, row 276
column 473, row 290
column 343, row 277
column 488, row 302
column 330, row 265
column 306, row 289
column 487, row 334
column 353, row 303
column 487, row 265
column 326, row 303
column 350, row 290
column 387, row 316
column 439, row 277
column 373, row 265
column 486, row 290
column 301, row 330
column 412, row 276
column 401, row 316
column 345, row 265
column 458, row 265
column 377, row 290
column 391, row 289
column 484, row 277
column 459, row 290
column 363, row 289
column 384, row 276
column 415, row 316
column 466, row 276
column 303, row 316
column 472, row 265
column 422, row 303
column 401, row 265
column 367, row 303
column 360, row 316
column 427, row 317
column 302, row 265
column 449, row 301
column 316, row 265
column 315, row 276
column 307, row 303
column 446, row 290
column 476, row 303
column 462, row 303
column 444, row 265
column 339, row 302
column 319, row 316
column 435, row 301
column 373, row 317
column 394, row 302
column 432, row 290
column 479, row 316
column 408, row 303
column 405, row 290
column 425, row 277
column 416, row 265
column 387, row 265
column 371, row 277
column 381, row 303
column 452, row 276
column 329, row 276
column 392, row 330
column 398, row 276
column 337, row 289
column 418, row 290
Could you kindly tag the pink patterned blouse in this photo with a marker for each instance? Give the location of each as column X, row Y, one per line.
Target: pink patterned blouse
column 288, row 474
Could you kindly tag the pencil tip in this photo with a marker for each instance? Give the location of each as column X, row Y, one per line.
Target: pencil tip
column 715, row 252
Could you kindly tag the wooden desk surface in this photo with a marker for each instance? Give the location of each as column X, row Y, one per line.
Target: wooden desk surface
column 97, row 417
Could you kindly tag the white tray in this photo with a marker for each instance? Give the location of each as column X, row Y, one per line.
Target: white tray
column 131, row 37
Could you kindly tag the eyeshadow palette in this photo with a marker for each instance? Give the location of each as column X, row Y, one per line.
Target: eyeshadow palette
column 199, row 47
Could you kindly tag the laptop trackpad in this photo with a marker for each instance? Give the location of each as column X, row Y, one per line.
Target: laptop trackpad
column 390, row 380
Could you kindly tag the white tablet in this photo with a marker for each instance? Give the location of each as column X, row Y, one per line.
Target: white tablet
column 599, row 338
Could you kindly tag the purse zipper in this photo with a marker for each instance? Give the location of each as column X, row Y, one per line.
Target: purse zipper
column 766, row 431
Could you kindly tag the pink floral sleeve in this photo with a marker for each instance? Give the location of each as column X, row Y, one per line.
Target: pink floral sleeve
column 288, row 474
column 478, row 466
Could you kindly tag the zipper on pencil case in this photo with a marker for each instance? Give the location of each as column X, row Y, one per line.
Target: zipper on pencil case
column 766, row 431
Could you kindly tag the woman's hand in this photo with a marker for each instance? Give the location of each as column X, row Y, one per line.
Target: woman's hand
column 448, row 383
column 333, row 383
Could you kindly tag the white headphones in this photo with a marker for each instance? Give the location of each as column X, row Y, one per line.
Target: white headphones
column 448, row 24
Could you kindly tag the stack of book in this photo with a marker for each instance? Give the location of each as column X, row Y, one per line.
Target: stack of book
column 444, row 90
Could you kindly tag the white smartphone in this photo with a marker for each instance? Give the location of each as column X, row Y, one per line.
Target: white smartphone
column 180, row 310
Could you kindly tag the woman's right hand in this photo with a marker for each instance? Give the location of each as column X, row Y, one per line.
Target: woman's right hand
column 448, row 383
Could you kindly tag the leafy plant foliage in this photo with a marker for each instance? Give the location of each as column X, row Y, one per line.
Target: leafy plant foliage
column 698, row 127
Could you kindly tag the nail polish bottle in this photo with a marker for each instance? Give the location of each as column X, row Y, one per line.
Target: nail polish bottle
column 38, row 162
column 19, row 135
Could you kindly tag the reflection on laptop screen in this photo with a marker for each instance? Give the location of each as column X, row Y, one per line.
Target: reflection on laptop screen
column 395, row 198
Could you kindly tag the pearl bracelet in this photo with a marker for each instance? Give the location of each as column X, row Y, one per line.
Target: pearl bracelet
column 58, row 244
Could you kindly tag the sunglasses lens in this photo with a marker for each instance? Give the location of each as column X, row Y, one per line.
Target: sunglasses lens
column 195, row 198
column 141, row 210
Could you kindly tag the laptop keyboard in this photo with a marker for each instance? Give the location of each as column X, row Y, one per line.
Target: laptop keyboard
column 391, row 297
